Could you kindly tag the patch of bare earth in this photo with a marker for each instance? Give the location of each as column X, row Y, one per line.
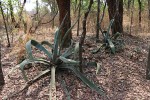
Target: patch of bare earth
column 122, row 75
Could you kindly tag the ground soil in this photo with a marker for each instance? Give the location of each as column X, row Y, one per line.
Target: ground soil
column 122, row 75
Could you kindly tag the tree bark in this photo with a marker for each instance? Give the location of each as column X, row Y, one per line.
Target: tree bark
column 2, row 82
column 131, row 22
column 79, row 18
column 5, row 24
column 21, row 18
column 148, row 67
column 11, row 11
column 140, row 11
column 54, row 11
column 81, row 42
column 149, row 13
column 115, row 9
column 64, row 10
column 129, row 3
column 37, row 10
column 98, row 24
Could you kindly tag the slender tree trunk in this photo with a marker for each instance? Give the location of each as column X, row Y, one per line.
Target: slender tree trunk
column 149, row 9
column 54, row 11
column 129, row 3
column 37, row 10
column 131, row 22
column 11, row 11
column 7, row 16
column 75, row 7
column 21, row 10
column 79, row 18
column 115, row 9
column 149, row 13
column 64, row 10
column 5, row 24
column 21, row 17
column 102, row 17
column 148, row 66
column 140, row 10
column 128, row 7
column 98, row 24
column 81, row 42
column 2, row 82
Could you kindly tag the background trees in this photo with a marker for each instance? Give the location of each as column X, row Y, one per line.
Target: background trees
column 90, row 20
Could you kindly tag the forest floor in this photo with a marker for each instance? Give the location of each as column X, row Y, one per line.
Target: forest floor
column 122, row 75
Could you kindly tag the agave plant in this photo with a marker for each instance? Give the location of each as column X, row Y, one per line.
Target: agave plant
column 56, row 60
column 110, row 42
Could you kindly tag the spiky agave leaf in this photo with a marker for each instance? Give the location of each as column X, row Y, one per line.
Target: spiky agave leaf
column 69, row 51
column 64, row 86
column 98, row 67
column 56, row 44
column 111, row 45
column 76, row 50
column 66, row 34
column 84, row 79
column 115, row 36
column 25, row 62
column 110, row 24
column 28, row 61
column 57, row 40
column 48, row 44
column 38, row 46
column 68, row 61
column 42, row 73
column 52, row 95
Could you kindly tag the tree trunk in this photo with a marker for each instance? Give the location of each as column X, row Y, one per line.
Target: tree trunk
column 102, row 17
column 140, row 10
column 21, row 17
column 21, row 10
column 131, row 22
column 11, row 12
column 115, row 9
column 149, row 13
column 64, row 10
column 129, row 3
column 149, row 9
column 79, row 18
column 5, row 24
column 53, row 12
column 2, row 82
column 98, row 24
column 81, row 42
column 37, row 10
column 148, row 67
column 75, row 5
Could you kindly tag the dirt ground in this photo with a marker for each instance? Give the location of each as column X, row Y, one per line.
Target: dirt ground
column 122, row 75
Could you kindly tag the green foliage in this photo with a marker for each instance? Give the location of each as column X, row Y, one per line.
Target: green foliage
column 111, row 42
column 84, row 5
column 142, row 4
column 136, row 4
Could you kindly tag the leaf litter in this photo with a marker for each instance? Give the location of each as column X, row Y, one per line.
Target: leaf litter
column 121, row 75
